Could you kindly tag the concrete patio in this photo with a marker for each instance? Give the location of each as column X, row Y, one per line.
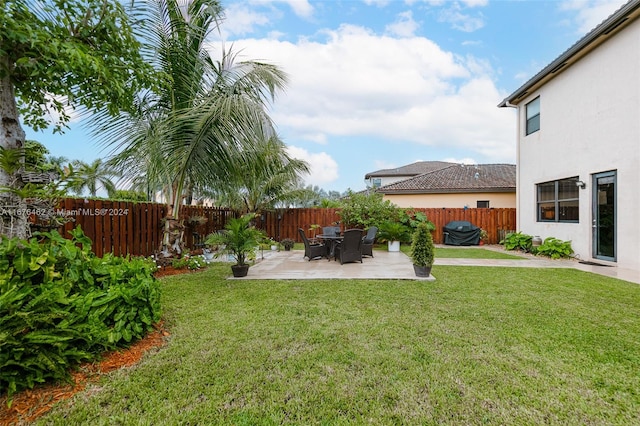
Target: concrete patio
column 290, row 265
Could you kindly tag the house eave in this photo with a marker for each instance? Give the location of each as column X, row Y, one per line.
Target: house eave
column 618, row 20
column 446, row 191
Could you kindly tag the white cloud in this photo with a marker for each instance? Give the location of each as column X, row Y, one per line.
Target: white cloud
column 240, row 20
column 324, row 169
column 404, row 26
column 590, row 13
column 357, row 83
column 461, row 21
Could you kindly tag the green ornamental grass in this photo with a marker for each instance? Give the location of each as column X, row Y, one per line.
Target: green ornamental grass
column 503, row 346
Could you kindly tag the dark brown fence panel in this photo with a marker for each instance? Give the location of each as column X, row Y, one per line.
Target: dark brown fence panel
column 130, row 228
column 216, row 218
column 285, row 223
column 120, row 228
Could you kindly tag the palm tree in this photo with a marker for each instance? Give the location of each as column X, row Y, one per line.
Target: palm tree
column 92, row 177
column 270, row 179
column 190, row 129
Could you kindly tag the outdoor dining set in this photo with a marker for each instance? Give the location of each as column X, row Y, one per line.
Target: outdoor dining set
column 348, row 246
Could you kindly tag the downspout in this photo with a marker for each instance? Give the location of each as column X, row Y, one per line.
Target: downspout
column 518, row 209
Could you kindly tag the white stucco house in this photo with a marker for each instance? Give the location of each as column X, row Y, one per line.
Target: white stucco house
column 578, row 145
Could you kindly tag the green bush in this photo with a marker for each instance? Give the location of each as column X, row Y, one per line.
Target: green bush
column 555, row 248
column 412, row 218
column 366, row 209
column 60, row 304
column 394, row 231
column 517, row 241
column 422, row 248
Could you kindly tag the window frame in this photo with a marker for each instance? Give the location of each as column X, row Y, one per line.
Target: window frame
column 534, row 119
column 558, row 203
column 376, row 182
column 487, row 202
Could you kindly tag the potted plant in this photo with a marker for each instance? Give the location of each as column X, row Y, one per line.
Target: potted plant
column 422, row 251
column 238, row 240
column 287, row 244
column 483, row 236
column 394, row 233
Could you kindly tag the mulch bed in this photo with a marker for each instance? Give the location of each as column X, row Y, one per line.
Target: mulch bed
column 30, row 404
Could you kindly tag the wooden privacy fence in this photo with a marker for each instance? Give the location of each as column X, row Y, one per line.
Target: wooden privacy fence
column 123, row 228
column 285, row 223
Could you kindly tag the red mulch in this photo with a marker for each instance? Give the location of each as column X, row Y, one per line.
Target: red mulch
column 30, row 404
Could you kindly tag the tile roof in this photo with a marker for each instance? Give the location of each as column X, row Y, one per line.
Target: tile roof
column 412, row 169
column 458, row 178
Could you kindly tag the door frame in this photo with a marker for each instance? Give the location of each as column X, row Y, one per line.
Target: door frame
column 596, row 218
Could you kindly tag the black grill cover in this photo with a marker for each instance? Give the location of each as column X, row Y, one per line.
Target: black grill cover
column 461, row 233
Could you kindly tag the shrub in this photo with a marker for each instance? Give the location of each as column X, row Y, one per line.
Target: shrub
column 422, row 248
column 517, row 241
column 366, row 209
column 555, row 248
column 394, row 231
column 411, row 218
column 188, row 262
column 60, row 304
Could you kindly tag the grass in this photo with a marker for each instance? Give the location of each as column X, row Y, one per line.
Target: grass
column 465, row 253
column 472, row 253
column 503, row 346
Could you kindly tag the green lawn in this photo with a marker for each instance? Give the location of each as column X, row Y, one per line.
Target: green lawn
column 503, row 346
column 466, row 253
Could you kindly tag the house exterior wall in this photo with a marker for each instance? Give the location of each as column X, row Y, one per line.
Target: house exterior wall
column 589, row 123
column 458, row 200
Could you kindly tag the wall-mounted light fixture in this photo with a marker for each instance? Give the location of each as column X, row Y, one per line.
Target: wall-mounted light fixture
column 580, row 184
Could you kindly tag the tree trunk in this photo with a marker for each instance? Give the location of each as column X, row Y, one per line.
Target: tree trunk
column 13, row 215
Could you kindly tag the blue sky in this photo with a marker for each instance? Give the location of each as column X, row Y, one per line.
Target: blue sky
column 377, row 84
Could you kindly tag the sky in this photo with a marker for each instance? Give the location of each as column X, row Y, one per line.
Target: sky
column 377, row 84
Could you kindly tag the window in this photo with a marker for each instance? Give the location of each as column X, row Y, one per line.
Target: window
column 533, row 116
column 482, row 204
column 376, row 182
column 558, row 201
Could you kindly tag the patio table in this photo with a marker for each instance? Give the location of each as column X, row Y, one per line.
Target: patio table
column 332, row 241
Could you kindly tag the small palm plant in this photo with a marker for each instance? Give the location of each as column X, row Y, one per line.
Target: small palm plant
column 394, row 233
column 422, row 250
column 239, row 239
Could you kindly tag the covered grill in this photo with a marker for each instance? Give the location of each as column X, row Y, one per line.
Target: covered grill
column 461, row 233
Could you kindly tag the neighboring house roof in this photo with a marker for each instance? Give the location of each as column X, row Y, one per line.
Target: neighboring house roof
column 458, row 178
column 618, row 20
column 413, row 169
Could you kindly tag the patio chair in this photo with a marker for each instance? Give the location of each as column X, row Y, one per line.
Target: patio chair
column 312, row 251
column 350, row 248
column 331, row 230
column 367, row 241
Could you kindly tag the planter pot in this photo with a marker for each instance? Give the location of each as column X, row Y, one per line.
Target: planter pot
column 274, row 248
column 240, row 270
column 394, row 245
column 422, row 271
column 287, row 248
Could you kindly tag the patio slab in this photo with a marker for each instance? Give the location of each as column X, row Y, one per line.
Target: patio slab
column 290, row 265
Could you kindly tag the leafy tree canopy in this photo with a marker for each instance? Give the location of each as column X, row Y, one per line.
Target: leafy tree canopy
column 59, row 53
